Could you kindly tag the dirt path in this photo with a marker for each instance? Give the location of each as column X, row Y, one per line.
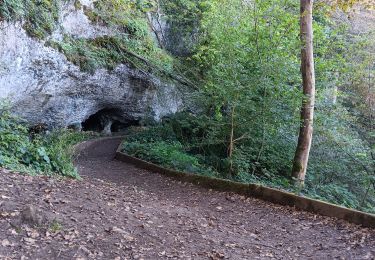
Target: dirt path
column 121, row 212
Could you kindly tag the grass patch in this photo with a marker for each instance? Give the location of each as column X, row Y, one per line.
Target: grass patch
column 55, row 226
column 11, row 10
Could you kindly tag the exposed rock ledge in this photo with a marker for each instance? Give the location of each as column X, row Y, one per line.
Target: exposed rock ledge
column 44, row 87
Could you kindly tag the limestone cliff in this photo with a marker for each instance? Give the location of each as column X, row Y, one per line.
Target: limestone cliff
column 43, row 86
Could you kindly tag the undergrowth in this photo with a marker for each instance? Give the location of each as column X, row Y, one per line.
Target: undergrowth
column 47, row 154
column 160, row 145
column 183, row 143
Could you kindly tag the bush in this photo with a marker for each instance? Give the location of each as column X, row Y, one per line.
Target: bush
column 183, row 142
column 49, row 154
column 153, row 134
column 159, row 145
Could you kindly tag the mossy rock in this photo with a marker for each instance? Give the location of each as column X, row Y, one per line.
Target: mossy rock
column 77, row 5
column 40, row 16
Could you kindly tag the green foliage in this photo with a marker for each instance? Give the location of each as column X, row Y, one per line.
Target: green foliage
column 11, row 10
column 40, row 16
column 347, row 5
column 159, row 145
column 249, row 60
column 185, row 13
column 55, row 226
column 166, row 154
column 43, row 154
column 336, row 194
column 251, row 69
column 183, row 24
column 107, row 52
column 152, row 134
column 184, row 16
column 127, row 15
column 248, row 66
column 132, row 44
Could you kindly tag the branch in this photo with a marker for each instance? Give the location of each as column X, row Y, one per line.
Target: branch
column 179, row 79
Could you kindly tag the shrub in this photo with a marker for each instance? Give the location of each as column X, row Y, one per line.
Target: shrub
column 183, row 142
column 49, row 154
column 159, row 145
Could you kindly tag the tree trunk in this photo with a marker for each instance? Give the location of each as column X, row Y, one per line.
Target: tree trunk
column 308, row 78
column 231, row 142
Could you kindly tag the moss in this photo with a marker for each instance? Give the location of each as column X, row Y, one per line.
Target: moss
column 133, row 44
column 77, row 5
column 90, row 54
column 127, row 16
column 297, row 167
column 40, row 16
column 92, row 15
column 11, row 10
column 107, row 52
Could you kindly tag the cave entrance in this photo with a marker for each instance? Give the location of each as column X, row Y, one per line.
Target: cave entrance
column 108, row 121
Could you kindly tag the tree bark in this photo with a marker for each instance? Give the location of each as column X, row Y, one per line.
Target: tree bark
column 308, row 78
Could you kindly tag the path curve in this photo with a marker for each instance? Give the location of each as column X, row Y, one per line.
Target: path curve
column 168, row 219
column 121, row 212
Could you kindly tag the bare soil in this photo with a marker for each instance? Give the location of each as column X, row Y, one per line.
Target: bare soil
column 118, row 211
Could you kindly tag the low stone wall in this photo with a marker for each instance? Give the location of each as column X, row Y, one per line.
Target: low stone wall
column 80, row 148
column 258, row 191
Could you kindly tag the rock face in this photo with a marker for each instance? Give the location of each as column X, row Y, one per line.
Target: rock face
column 359, row 20
column 174, row 37
column 44, row 87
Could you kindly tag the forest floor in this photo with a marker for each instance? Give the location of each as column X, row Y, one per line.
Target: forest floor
column 121, row 212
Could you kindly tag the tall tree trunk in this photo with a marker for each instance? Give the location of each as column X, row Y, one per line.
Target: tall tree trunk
column 231, row 142
column 308, row 77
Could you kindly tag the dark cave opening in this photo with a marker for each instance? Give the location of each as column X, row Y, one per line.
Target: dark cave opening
column 118, row 127
column 108, row 120
column 92, row 124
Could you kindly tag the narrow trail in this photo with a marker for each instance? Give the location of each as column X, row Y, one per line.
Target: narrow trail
column 121, row 212
column 189, row 221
